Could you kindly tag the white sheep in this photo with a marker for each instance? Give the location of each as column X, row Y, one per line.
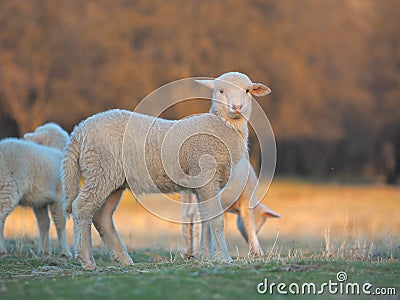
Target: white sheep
column 117, row 147
column 249, row 221
column 30, row 175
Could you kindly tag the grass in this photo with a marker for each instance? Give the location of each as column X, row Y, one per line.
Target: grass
column 325, row 228
column 159, row 274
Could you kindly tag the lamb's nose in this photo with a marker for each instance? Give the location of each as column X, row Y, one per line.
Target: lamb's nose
column 237, row 107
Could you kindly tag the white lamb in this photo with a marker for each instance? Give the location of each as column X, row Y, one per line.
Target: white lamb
column 249, row 221
column 108, row 150
column 30, row 175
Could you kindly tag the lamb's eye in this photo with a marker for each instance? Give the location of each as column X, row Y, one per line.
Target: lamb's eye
column 247, row 91
column 221, row 91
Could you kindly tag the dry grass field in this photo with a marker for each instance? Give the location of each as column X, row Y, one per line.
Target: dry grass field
column 317, row 218
column 326, row 229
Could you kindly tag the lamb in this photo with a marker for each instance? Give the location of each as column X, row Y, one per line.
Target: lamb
column 30, row 176
column 249, row 221
column 141, row 152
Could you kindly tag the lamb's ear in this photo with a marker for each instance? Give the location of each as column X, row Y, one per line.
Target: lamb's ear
column 270, row 213
column 34, row 137
column 206, row 82
column 260, row 89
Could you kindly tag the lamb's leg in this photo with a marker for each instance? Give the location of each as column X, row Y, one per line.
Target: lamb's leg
column 186, row 224
column 217, row 231
column 206, row 251
column 211, row 213
column 56, row 209
column 3, row 250
column 247, row 228
column 103, row 221
column 196, row 225
column 6, row 207
column 84, row 207
column 191, row 229
column 43, row 221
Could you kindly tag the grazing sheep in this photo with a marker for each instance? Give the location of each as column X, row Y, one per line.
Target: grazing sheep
column 30, row 176
column 143, row 151
column 249, row 221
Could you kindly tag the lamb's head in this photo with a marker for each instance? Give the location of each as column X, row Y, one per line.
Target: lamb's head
column 232, row 94
column 49, row 134
column 260, row 215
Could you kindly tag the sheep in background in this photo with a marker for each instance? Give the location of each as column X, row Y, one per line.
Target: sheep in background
column 249, row 221
column 30, row 175
column 108, row 164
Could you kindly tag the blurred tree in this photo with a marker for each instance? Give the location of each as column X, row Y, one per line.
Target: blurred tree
column 333, row 67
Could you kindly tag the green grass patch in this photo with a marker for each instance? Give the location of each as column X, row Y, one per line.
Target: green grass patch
column 159, row 274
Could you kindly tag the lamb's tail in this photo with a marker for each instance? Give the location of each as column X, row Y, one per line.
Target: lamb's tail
column 71, row 173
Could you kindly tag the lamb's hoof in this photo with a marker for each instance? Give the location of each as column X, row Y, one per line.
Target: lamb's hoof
column 88, row 268
column 87, row 265
column 227, row 259
column 257, row 254
column 65, row 254
column 223, row 258
column 124, row 265
column 127, row 263
column 205, row 258
column 123, row 260
column 204, row 255
column 44, row 254
column 189, row 257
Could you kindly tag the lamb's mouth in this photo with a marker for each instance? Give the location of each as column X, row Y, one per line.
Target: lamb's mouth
column 235, row 114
